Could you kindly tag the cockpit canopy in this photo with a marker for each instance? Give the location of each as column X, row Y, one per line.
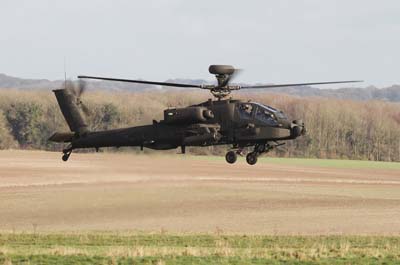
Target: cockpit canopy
column 260, row 112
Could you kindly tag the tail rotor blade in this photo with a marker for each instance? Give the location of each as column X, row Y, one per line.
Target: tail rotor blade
column 70, row 86
column 85, row 109
column 77, row 89
column 82, row 85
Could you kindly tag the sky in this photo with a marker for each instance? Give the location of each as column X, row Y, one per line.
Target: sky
column 273, row 41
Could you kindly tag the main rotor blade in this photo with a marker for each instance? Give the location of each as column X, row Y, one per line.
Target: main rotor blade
column 299, row 84
column 140, row 81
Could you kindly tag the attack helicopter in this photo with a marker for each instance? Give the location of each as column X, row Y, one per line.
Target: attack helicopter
column 222, row 121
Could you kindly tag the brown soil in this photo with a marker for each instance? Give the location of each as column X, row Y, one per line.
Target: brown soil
column 186, row 194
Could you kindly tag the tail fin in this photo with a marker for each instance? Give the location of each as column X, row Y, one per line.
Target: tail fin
column 69, row 105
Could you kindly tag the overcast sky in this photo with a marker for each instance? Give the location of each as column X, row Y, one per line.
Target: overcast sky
column 274, row 41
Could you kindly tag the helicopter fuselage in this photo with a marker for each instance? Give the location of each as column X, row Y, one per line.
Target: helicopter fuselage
column 232, row 122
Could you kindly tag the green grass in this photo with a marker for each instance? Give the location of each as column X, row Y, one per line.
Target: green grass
column 313, row 162
column 108, row 248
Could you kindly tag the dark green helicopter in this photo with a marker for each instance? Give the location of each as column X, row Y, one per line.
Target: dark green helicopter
column 214, row 122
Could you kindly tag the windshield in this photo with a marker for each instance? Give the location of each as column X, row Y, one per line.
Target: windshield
column 266, row 116
column 261, row 112
column 279, row 114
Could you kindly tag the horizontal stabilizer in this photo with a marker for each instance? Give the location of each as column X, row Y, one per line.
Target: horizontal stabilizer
column 62, row 137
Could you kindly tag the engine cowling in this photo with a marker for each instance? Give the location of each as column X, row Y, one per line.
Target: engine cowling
column 188, row 115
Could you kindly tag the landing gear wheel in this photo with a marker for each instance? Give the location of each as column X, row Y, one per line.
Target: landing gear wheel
column 65, row 157
column 251, row 158
column 66, row 153
column 231, row 157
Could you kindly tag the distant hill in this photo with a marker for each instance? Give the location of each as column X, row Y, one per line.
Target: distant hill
column 15, row 82
column 391, row 93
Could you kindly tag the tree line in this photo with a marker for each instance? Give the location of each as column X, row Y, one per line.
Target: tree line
column 336, row 128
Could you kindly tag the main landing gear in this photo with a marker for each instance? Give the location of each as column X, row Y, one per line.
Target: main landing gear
column 231, row 157
column 252, row 157
column 259, row 149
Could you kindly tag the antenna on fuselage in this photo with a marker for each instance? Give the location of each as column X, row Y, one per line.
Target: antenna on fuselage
column 65, row 74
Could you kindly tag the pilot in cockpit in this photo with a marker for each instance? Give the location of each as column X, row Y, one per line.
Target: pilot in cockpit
column 246, row 109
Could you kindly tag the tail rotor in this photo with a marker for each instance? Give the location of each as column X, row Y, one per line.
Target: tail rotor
column 77, row 89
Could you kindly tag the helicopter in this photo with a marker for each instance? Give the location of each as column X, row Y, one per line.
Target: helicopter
column 223, row 121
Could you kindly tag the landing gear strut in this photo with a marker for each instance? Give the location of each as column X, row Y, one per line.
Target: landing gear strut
column 66, row 153
column 259, row 149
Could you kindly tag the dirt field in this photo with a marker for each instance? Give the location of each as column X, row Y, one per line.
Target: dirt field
column 187, row 194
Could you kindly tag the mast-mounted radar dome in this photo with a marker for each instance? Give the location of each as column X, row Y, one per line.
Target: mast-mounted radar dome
column 221, row 69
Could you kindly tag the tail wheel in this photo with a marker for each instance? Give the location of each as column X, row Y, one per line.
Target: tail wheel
column 231, row 157
column 66, row 153
column 251, row 158
column 65, row 157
